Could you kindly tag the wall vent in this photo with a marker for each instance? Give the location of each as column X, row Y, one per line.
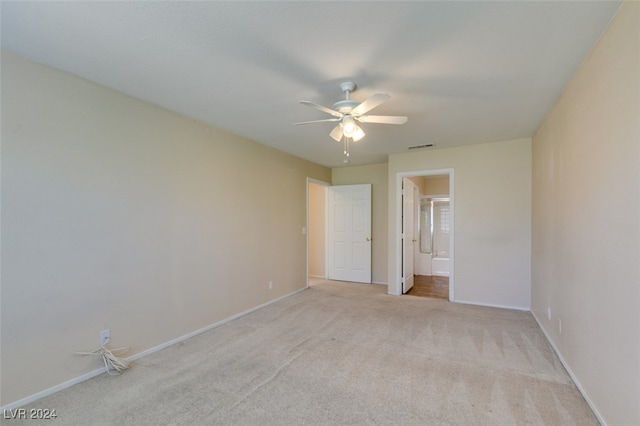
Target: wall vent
column 429, row 145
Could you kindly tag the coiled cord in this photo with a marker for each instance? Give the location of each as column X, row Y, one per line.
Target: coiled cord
column 112, row 362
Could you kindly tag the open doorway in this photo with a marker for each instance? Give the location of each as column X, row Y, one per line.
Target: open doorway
column 316, row 230
column 431, row 231
column 425, row 253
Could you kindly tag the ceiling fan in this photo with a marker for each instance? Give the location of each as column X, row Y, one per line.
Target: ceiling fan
column 347, row 112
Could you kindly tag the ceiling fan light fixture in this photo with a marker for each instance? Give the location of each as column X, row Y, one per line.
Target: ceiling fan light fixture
column 358, row 134
column 350, row 129
column 349, row 126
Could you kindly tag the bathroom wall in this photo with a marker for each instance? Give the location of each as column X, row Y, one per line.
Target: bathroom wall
column 435, row 185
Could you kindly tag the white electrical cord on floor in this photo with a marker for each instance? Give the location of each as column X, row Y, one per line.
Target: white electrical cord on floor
column 114, row 364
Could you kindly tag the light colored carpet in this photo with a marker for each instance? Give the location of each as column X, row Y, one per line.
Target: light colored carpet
column 338, row 354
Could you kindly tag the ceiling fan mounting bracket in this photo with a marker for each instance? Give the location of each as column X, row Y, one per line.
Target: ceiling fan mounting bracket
column 348, row 87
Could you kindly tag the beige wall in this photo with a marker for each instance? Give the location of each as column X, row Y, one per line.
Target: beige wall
column 317, row 229
column 492, row 219
column 418, row 182
column 376, row 175
column 117, row 214
column 435, row 185
column 586, row 222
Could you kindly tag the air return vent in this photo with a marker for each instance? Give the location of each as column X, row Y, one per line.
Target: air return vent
column 429, row 145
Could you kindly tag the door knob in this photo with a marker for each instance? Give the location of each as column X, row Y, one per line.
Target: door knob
column 368, row 238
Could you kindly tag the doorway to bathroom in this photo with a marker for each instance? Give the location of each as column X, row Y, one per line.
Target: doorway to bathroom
column 431, row 254
column 427, row 233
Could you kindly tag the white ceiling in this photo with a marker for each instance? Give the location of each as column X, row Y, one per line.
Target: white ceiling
column 463, row 72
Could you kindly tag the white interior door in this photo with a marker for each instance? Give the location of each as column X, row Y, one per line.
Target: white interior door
column 349, row 233
column 408, row 188
column 416, row 231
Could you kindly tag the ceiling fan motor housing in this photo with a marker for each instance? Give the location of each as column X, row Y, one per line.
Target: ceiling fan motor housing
column 346, row 106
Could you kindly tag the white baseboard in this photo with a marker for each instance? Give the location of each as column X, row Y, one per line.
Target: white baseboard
column 573, row 377
column 327, row 279
column 207, row 328
column 490, row 305
column 57, row 388
column 52, row 390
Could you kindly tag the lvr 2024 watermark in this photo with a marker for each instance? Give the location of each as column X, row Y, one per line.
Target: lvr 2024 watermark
column 32, row 413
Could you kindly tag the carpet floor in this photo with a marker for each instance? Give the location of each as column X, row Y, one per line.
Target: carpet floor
column 338, row 354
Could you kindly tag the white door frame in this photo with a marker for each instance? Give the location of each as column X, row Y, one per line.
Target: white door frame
column 397, row 281
column 325, row 184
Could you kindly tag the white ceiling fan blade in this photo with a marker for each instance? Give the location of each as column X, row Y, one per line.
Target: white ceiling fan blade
column 370, row 103
column 336, row 133
column 316, row 121
column 322, row 108
column 383, row 119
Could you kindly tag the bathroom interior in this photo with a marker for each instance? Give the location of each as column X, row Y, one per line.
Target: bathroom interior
column 432, row 228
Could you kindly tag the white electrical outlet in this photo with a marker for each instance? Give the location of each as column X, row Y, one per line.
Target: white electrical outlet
column 548, row 313
column 559, row 326
column 270, row 285
column 105, row 337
